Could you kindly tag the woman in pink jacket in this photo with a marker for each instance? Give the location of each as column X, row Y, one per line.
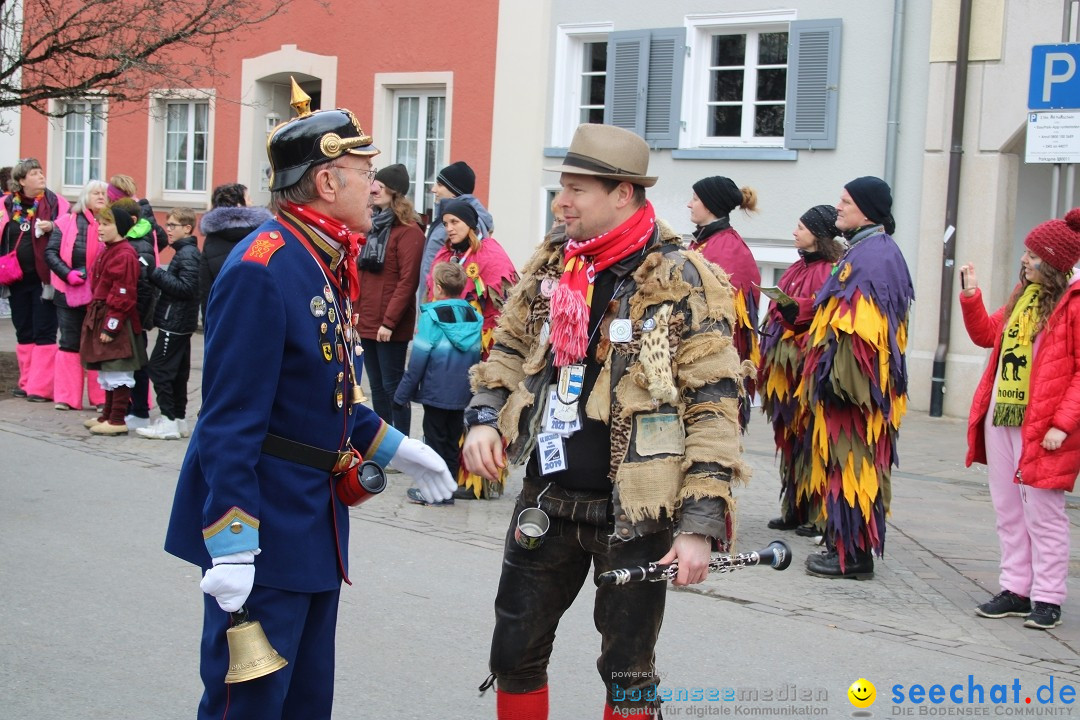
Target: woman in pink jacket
column 1025, row 418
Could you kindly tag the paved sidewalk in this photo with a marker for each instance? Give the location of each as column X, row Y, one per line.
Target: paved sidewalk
column 941, row 547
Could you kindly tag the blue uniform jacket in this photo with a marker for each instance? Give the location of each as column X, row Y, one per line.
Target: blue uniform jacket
column 446, row 345
column 265, row 370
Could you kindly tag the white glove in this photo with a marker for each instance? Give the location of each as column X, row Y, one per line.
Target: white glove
column 231, row 579
column 424, row 465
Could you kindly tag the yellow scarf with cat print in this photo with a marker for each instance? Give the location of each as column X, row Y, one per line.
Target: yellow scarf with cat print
column 1014, row 363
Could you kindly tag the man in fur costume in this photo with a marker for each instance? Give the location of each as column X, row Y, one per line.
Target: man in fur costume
column 613, row 360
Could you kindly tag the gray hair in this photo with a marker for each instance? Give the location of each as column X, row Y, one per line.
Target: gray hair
column 304, row 191
column 84, row 196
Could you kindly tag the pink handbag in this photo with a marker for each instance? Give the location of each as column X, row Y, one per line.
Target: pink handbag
column 10, row 270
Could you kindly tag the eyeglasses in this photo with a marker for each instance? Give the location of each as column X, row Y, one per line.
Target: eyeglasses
column 370, row 173
column 173, row 226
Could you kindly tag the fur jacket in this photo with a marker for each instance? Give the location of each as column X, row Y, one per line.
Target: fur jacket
column 670, row 395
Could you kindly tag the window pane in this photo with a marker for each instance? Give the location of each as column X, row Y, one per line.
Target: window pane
column 595, row 57
column 725, row 121
column 772, row 48
column 769, row 121
column 592, row 115
column 772, row 84
column 176, row 117
column 726, row 86
column 202, row 117
column 198, row 176
column 592, row 90
column 174, row 176
column 728, row 50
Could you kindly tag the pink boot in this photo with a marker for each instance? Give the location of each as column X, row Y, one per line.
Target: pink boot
column 68, row 382
column 23, row 353
column 42, row 369
column 93, row 388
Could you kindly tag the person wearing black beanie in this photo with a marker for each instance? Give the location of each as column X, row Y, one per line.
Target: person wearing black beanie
column 462, row 210
column 862, row 310
column 389, row 273
column 711, row 202
column 783, row 350
column 455, row 181
column 873, row 197
column 491, row 275
column 458, row 178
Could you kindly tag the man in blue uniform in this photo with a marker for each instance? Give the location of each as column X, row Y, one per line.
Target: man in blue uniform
column 255, row 504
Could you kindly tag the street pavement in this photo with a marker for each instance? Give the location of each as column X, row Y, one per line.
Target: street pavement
column 100, row 623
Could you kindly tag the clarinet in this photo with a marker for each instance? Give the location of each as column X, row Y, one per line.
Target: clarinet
column 777, row 556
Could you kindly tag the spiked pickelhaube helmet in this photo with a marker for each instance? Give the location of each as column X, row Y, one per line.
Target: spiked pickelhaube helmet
column 312, row 138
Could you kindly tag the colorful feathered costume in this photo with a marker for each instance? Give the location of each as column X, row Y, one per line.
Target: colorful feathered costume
column 490, row 275
column 721, row 244
column 783, row 349
column 854, row 385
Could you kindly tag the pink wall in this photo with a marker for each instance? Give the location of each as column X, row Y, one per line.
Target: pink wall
column 367, row 38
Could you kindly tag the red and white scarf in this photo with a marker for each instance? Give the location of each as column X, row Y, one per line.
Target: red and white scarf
column 351, row 242
column 582, row 260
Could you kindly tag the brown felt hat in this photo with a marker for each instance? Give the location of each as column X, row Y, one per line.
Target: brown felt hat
column 609, row 152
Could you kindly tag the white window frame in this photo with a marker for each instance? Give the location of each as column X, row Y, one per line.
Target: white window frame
column 156, row 148
column 570, row 43
column 421, row 191
column 388, row 88
column 57, row 143
column 700, row 30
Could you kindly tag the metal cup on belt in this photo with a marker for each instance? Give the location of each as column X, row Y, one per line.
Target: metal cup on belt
column 532, row 525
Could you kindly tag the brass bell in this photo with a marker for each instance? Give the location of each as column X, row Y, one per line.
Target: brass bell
column 250, row 653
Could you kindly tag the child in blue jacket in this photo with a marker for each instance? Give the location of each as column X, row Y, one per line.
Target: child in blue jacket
column 446, row 345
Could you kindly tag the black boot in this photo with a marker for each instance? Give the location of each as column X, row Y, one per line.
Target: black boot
column 783, row 523
column 859, row 566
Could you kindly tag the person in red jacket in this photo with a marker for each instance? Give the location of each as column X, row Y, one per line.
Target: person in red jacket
column 1025, row 418
column 711, row 203
column 783, row 349
column 109, row 341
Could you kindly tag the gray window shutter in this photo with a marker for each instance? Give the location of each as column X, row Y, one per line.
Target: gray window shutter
column 667, row 54
column 627, row 76
column 812, row 84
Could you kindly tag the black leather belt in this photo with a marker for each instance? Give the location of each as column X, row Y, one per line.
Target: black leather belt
column 309, row 455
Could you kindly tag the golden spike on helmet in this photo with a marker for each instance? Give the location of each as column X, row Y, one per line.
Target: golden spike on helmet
column 301, row 101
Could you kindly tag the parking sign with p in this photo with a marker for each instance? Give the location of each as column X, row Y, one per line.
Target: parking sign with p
column 1055, row 77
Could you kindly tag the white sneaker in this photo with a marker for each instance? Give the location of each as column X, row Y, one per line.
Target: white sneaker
column 134, row 422
column 182, row 426
column 162, row 429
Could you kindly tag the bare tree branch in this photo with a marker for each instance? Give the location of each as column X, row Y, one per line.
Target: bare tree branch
column 119, row 50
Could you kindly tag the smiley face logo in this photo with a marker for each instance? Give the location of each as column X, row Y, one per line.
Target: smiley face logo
column 862, row 693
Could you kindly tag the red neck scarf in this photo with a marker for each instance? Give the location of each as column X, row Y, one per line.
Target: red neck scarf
column 582, row 261
column 350, row 243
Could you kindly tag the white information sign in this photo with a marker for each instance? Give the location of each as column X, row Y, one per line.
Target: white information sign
column 1053, row 137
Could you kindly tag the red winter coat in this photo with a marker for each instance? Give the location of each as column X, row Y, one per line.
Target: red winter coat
column 388, row 297
column 1054, row 396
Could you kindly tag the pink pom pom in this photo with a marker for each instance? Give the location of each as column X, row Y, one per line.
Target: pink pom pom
column 569, row 326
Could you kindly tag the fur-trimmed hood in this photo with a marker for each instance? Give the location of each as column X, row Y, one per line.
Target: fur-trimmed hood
column 228, row 218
